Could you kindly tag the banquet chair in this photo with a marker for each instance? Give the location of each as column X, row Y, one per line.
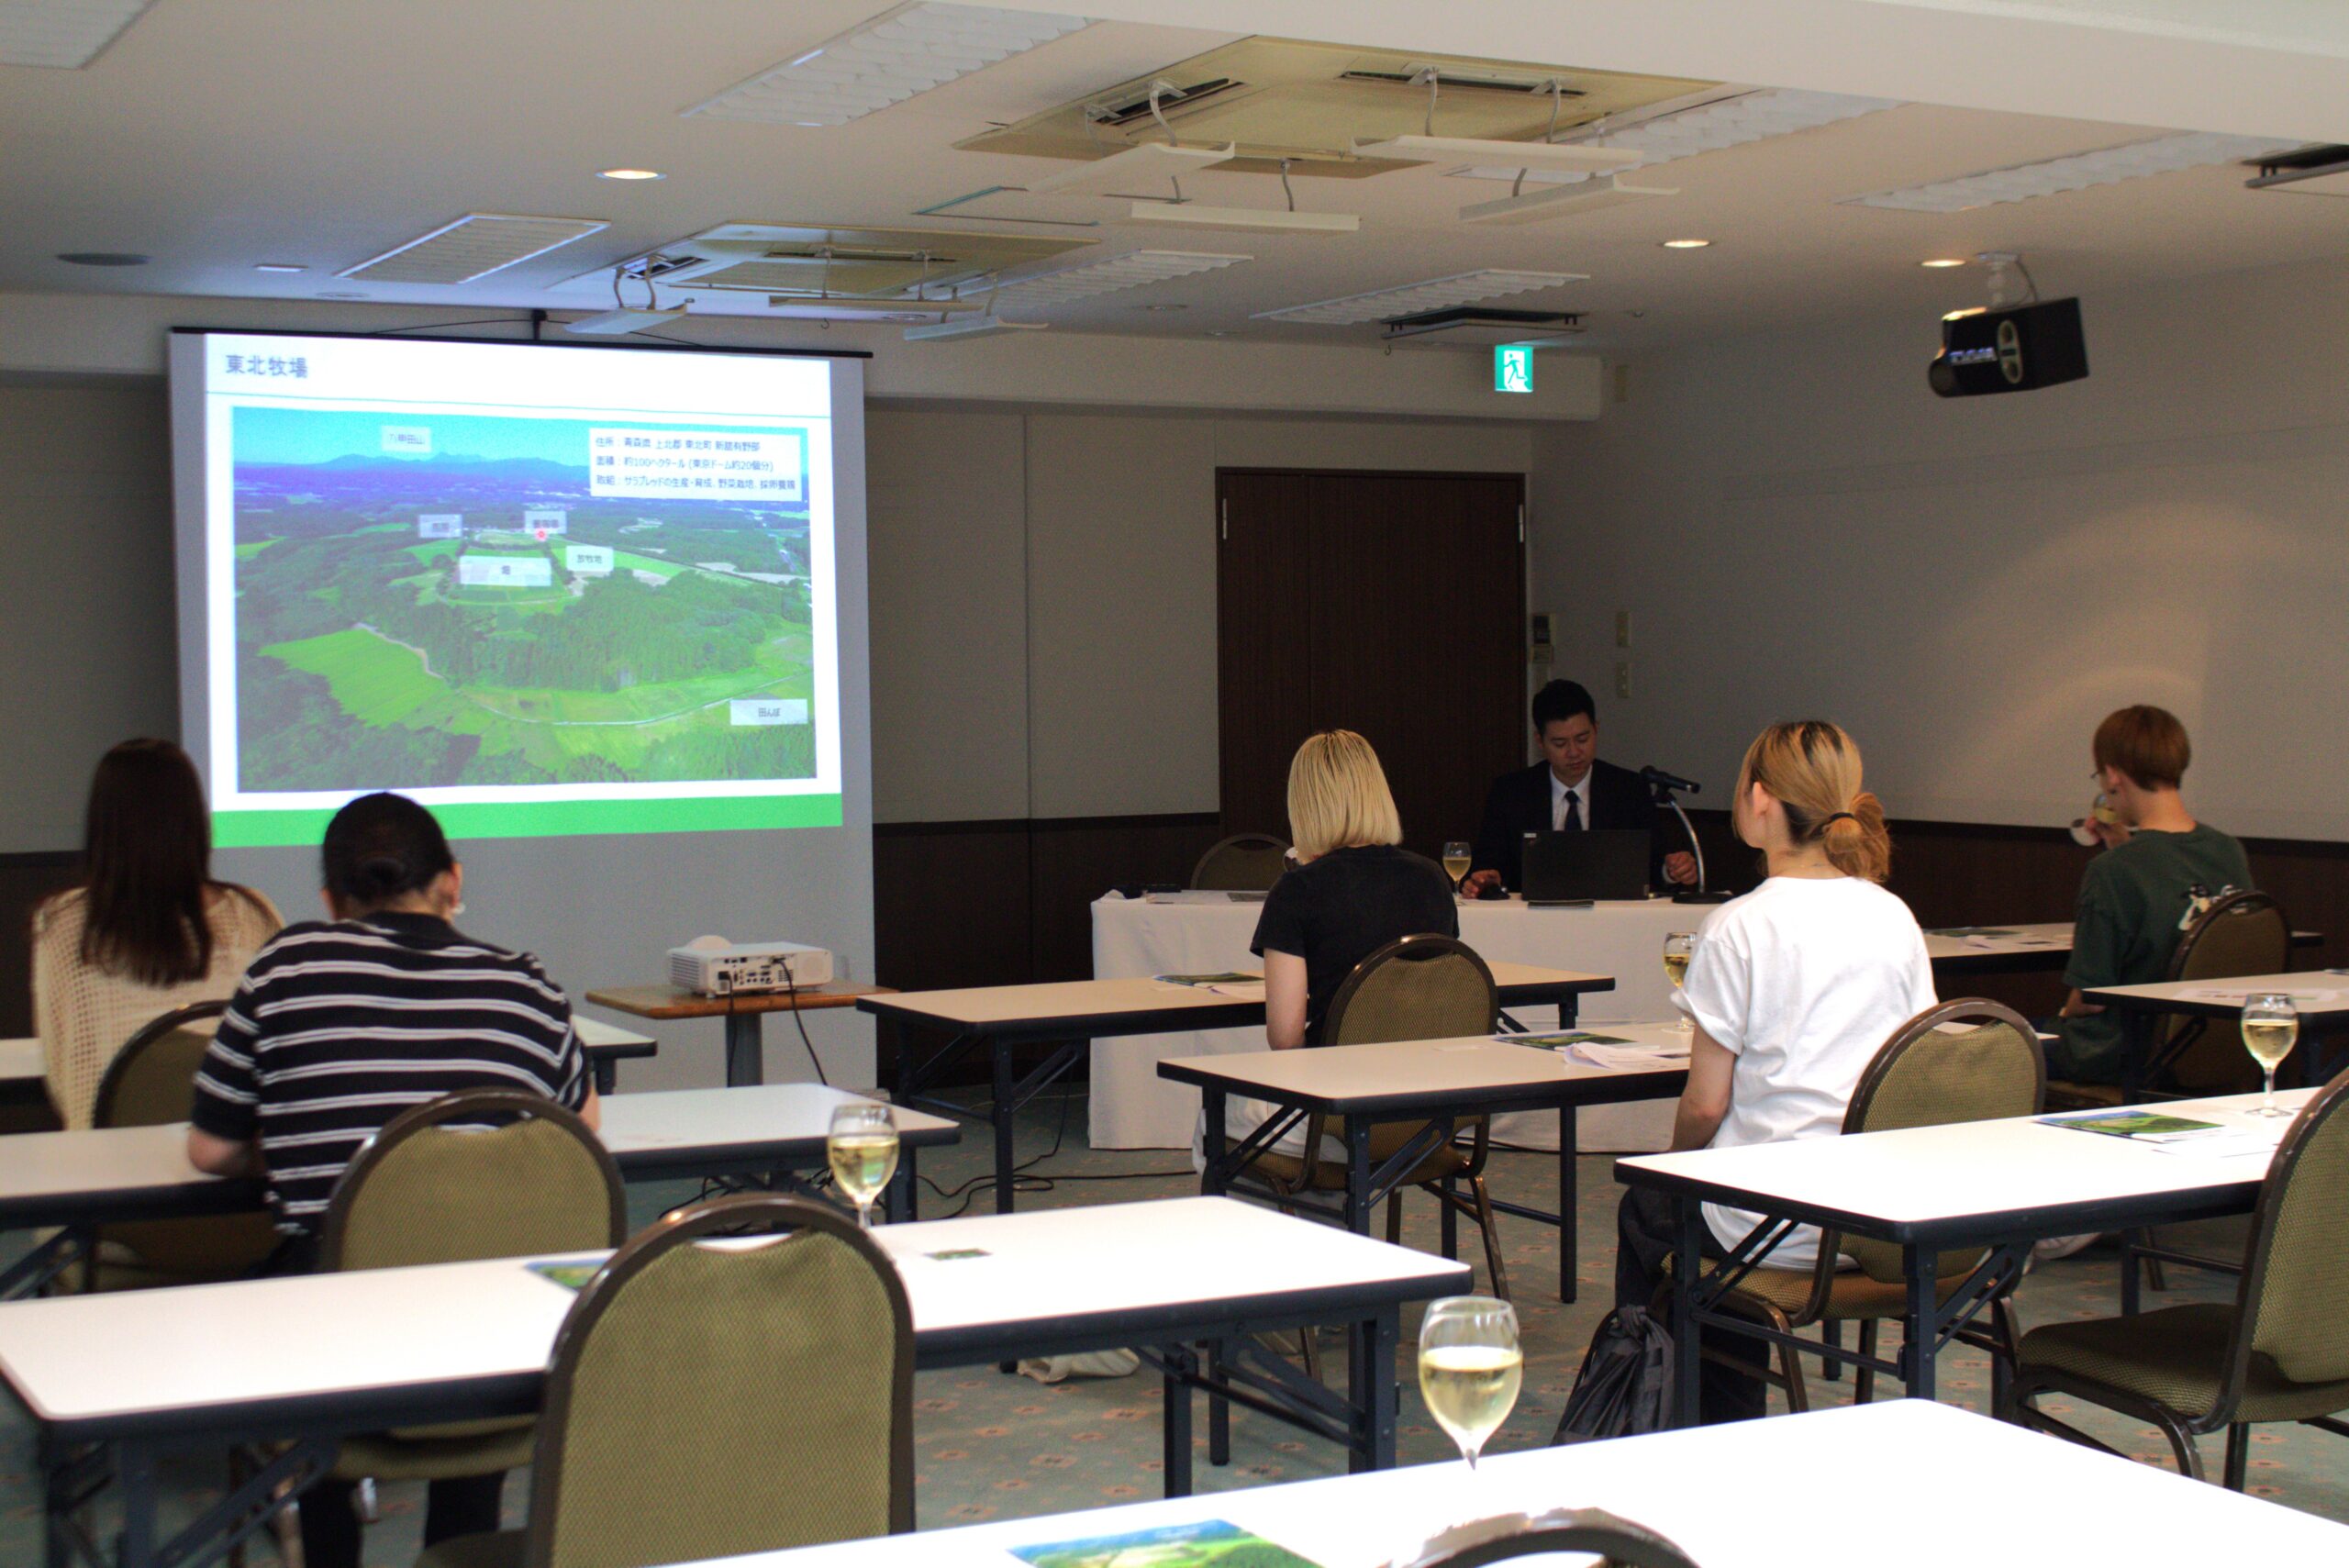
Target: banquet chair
column 1422, row 988
column 2278, row 1352
column 686, row 1375
column 150, row 1083
column 1246, row 863
column 1970, row 1060
column 437, row 1185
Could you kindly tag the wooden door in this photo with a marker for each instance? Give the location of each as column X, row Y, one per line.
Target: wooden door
column 1391, row 603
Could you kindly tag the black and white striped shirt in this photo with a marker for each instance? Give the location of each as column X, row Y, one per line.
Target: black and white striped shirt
column 339, row 1027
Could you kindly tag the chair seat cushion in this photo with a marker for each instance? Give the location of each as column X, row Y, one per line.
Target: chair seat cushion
column 1853, row 1296
column 469, row 1448
column 502, row 1549
column 2175, row 1357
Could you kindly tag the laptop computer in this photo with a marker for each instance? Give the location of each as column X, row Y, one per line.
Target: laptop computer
column 1598, row 863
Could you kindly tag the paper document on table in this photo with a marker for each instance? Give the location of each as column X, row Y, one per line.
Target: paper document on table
column 1241, row 990
column 1203, row 896
column 1616, row 1055
column 2223, row 1143
column 2239, row 995
column 1211, row 981
column 2139, row 1126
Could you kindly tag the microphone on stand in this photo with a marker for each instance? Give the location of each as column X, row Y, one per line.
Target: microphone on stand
column 1665, row 785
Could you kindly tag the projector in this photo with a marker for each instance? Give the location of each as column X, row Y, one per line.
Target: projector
column 2016, row 350
column 712, row 966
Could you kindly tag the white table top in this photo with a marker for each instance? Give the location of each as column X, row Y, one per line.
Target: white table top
column 1980, row 1174
column 19, row 1059
column 1722, row 1494
column 1335, row 1075
column 22, row 1057
column 49, row 1173
column 2053, row 937
column 985, row 1005
column 2318, row 993
column 120, row 1356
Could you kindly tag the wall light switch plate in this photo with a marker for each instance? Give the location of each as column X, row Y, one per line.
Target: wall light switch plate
column 1623, row 679
column 1622, row 628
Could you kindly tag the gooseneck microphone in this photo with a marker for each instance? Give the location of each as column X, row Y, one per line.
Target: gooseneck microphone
column 1665, row 786
column 1661, row 780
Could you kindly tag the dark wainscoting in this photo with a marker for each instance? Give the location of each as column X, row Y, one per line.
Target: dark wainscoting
column 1004, row 903
column 25, row 881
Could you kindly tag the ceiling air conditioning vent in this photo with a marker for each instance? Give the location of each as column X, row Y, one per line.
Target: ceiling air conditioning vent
column 1126, row 112
column 1454, row 79
column 821, row 262
column 1477, row 325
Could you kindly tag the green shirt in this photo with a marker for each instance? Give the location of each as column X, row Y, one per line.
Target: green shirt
column 2135, row 900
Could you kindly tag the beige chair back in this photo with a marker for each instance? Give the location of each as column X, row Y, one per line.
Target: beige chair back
column 151, row 1082
column 2243, row 933
column 1246, row 863
column 1970, row 1060
column 707, row 1401
column 2294, row 1297
column 483, row 1173
column 1423, row 988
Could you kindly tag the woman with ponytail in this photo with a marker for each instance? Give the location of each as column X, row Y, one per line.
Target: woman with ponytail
column 1792, row 988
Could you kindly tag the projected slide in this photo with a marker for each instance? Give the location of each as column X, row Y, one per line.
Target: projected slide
column 544, row 589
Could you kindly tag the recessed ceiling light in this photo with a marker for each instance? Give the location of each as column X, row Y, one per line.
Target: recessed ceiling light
column 102, row 258
column 2054, row 177
column 1686, row 244
column 1944, row 261
column 627, row 173
column 277, row 267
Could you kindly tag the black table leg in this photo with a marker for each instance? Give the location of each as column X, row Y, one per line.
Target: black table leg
column 1213, row 1135
column 903, row 1199
column 1568, row 1244
column 135, row 1473
column 608, row 1075
column 1921, row 1326
column 1357, row 1172
column 1001, row 1113
column 2131, row 1274
column 1687, row 1261
column 746, row 1056
column 1369, row 1384
column 1176, row 1453
column 1218, row 1407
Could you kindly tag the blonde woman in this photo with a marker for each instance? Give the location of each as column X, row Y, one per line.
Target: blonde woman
column 1352, row 891
column 1792, row 988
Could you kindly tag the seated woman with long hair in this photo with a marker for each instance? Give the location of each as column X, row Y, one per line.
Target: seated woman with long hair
column 148, row 930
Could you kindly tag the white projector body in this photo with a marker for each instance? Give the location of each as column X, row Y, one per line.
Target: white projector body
column 712, row 966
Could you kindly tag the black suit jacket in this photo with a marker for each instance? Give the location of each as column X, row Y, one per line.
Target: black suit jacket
column 1614, row 798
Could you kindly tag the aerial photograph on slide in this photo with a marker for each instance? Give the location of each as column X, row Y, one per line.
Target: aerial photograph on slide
column 428, row 600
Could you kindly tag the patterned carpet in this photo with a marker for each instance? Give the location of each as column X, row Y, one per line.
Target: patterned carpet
column 991, row 1446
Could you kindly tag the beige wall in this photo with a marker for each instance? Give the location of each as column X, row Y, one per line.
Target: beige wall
column 1085, row 685
column 1800, row 527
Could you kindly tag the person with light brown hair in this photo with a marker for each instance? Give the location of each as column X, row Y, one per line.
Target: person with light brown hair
column 148, row 930
column 1353, row 890
column 1792, row 989
column 2158, row 868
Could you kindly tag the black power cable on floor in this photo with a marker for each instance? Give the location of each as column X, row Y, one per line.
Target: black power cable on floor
column 1023, row 1182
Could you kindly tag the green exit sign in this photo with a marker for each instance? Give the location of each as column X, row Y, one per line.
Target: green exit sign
column 1513, row 367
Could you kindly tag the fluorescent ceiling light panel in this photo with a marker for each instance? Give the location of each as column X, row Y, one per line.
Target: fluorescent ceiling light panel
column 1241, row 219
column 65, row 34
column 2053, row 176
column 1133, row 270
column 1571, row 157
column 969, row 326
column 1136, row 169
column 473, row 247
column 1724, row 123
column 1560, row 200
column 1411, row 299
column 895, row 56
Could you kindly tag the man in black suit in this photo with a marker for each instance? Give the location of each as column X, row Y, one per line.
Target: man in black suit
column 1569, row 790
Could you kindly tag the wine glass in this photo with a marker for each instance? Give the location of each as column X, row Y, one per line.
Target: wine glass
column 1678, row 945
column 862, row 1148
column 1455, row 862
column 1470, row 1367
column 2271, row 1026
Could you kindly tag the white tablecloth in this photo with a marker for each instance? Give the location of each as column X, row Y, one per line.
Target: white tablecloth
column 1133, row 1107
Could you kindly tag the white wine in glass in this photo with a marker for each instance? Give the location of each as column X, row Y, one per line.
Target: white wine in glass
column 1455, row 862
column 2271, row 1027
column 1678, row 945
column 1469, row 1368
column 864, row 1151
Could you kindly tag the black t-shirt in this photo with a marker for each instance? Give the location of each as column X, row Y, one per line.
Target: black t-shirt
column 1336, row 911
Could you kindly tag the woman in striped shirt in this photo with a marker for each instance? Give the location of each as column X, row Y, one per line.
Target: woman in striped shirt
column 339, row 1027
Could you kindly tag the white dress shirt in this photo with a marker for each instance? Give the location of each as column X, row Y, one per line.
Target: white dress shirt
column 1558, row 801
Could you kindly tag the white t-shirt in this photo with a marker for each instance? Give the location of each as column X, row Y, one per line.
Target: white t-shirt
column 1802, row 980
